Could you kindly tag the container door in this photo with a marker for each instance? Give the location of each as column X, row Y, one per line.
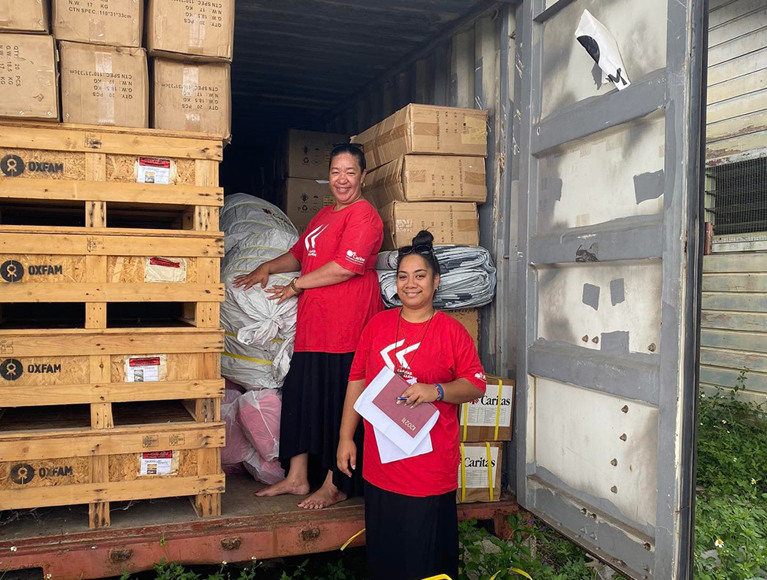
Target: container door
column 609, row 273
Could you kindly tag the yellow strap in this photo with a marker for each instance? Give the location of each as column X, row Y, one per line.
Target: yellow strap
column 239, row 356
column 498, row 409
column 490, row 482
column 440, row 577
column 465, row 420
column 354, row 537
column 463, row 474
column 515, row 571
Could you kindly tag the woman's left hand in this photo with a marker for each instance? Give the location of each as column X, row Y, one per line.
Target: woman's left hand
column 280, row 293
column 418, row 393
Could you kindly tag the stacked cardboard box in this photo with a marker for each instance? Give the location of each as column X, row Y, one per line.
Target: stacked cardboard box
column 104, row 79
column 191, row 45
column 427, row 171
column 485, row 422
column 305, row 159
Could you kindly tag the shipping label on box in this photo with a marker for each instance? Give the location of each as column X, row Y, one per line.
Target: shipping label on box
column 24, row 15
column 201, row 29
column 307, row 153
column 158, row 463
column 303, row 198
column 428, row 178
column 479, row 473
column 28, row 77
column 104, row 85
column 448, row 222
column 425, row 129
column 145, row 368
column 191, row 97
column 110, row 22
column 489, row 418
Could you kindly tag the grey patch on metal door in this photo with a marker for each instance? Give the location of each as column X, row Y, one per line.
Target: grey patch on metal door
column 615, row 342
column 591, row 296
column 648, row 186
column 550, row 194
column 617, row 291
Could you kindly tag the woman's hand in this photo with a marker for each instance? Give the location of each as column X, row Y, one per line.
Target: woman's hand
column 346, row 456
column 418, row 393
column 280, row 293
column 258, row 276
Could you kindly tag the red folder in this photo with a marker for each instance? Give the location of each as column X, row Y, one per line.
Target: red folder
column 411, row 421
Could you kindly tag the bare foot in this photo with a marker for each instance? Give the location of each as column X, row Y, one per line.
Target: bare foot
column 286, row 486
column 325, row 496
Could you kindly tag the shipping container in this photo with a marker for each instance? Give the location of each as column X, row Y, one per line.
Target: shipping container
column 593, row 215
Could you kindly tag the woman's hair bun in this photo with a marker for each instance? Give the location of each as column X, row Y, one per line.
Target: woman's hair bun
column 423, row 238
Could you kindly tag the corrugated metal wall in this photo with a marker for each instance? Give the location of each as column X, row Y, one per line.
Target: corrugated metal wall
column 736, row 125
column 473, row 66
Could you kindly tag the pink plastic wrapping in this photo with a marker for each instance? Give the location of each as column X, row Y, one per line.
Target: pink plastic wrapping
column 269, row 472
column 237, row 448
column 259, row 415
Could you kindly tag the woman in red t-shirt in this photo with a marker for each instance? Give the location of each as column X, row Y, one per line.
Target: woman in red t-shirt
column 338, row 292
column 410, row 514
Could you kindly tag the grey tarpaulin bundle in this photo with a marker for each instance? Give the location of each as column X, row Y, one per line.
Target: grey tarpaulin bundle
column 467, row 277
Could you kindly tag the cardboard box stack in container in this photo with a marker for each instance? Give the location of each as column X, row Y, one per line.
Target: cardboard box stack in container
column 479, row 473
column 104, row 85
column 305, row 159
column 490, row 417
column 191, row 45
column 28, row 77
column 469, row 318
column 24, row 16
column 111, row 22
column 427, row 171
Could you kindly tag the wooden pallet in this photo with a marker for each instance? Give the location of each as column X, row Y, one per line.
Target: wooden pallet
column 92, row 171
column 74, row 393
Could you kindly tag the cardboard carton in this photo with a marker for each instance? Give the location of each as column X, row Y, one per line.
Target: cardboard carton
column 191, row 97
column 490, row 417
column 428, row 178
column 111, row 22
column 28, row 77
column 24, row 16
column 104, row 85
column 303, row 198
column 448, row 222
column 307, row 153
column 469, row 318
column 474, row 472
column 191, row 29
column 425, row 129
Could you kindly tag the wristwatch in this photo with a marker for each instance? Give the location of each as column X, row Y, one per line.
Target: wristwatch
column 295, row 288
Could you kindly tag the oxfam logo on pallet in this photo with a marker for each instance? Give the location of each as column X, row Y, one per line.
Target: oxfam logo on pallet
column 12, row 271
column 22, row 473
column 12, row 165
column 11, row 369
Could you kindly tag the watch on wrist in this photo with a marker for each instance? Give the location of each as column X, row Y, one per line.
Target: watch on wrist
column 295, row 288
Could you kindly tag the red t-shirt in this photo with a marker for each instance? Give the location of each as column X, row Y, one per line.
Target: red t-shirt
column 331, row 318
column 446, row 353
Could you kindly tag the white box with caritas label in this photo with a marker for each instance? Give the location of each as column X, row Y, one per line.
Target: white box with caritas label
column 479, row 473
column 158, row 463
column 490, row 417
column 145, row 368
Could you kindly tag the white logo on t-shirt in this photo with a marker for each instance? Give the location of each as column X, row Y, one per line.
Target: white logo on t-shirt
column 352, row 256
column 400, row 355
column 311, row 240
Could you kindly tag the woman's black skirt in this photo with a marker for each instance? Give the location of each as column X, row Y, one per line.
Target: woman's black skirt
column 312, row 405
column 410, row 538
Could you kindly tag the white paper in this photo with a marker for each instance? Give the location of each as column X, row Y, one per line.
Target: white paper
column 601, row 45
column 389, row 452
column 143, row 369
column 482, row 412
column 388, row 428
column 475, row 466
column 156, row 465
column 153, row 170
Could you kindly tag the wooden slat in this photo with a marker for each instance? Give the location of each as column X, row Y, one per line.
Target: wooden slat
column 741, row 85
column 753, row 396
column 101, row 418
column 120, row 141
column 105, row 243
column 746, row 341
column 73, row 342
column 732, row 11
column 737, row 28
column 735, row 301
column 732, row 282
column 751, row 322
column 45, row 444
column 743, row 105
column 105, row 392
column 733, row 359
column 114, row 292
column 114, row 491
column 728, row 378
column 735, row 263
column 737, row 47
column 138, row 193
column 730, row 150
column 743, row 65
column 738, row 126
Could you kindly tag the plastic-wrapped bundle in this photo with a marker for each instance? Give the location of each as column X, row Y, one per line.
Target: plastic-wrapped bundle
column 467, row 277
column 258, row 413
column 259, row 333
column 268, row 472
column 237, row 448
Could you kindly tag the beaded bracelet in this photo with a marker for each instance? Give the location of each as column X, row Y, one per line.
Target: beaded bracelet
column 440, row 391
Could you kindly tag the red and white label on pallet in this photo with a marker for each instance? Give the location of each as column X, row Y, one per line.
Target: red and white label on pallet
column 153, row 170
column 145, row 369
column 156, row 463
